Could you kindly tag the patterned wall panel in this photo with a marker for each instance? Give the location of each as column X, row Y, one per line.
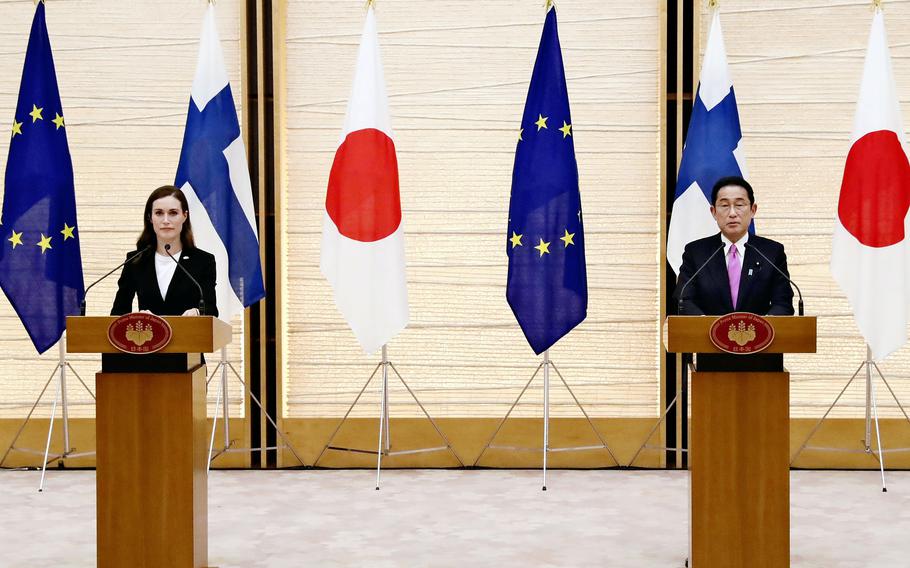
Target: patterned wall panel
column 457, row 76
column 796, row 69
column 124, row 71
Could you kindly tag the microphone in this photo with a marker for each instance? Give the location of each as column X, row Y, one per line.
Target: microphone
column 679, row 308
column 134, row 256
column 167, row 249
column 782, row 273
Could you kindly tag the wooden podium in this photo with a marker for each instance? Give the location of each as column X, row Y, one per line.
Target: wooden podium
column 739, row 485
column 152, row 443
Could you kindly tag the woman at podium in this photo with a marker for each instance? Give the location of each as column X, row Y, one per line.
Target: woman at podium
column 170, row 276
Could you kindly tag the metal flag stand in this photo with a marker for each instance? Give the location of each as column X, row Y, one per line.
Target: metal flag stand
column 871, row 416
column 60, row 395
column 385, row 436
column 545, row 365
column 681, row 394
column 221, row 404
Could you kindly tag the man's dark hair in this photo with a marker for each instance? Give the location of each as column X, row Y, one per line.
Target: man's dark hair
column 732, row 180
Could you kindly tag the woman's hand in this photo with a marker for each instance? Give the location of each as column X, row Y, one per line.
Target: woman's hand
column 191, row 312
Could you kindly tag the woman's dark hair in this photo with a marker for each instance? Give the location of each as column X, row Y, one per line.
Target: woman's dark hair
column 148, row 238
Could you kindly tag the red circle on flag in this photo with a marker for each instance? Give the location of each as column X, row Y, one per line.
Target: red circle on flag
column 875, row 192
column 363, row 199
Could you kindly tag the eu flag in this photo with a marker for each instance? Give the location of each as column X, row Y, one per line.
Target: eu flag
column 547, row 285
column 40, row 261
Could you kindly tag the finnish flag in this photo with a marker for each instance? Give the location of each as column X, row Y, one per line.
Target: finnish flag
column 712, row 150
column 214, row 175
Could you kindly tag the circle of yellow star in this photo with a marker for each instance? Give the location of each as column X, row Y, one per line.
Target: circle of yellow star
column 67, row 232
column 16, row 239
column 543, row 247
column 45, row 243
column 516, row 240
column 566, row 129
column 567, row 239
column 36, row 113
column 58, row 120
column 17, row 128
column 541, row 121
column 520, row 132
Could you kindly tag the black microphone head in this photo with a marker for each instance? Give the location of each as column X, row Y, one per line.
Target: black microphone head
column 167, row 246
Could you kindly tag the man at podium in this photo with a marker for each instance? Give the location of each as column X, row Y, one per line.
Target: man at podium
column 734, row 270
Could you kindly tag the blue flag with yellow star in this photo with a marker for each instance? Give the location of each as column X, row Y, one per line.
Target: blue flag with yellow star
column 40, row 261
column 547, row 285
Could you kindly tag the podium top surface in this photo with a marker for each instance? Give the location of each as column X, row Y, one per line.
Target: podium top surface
column 191, row 334
column 690, row 334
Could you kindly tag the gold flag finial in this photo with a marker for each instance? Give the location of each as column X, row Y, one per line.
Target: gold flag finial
column 369, row 4
column 876, row 4
column 712, row 4
column 549, row 5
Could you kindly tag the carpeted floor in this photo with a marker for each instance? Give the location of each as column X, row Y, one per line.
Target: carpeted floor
column 462, row 518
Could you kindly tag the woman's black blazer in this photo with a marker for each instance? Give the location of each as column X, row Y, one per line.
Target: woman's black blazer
column 139, row 279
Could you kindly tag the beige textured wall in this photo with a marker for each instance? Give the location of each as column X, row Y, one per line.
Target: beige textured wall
column 796, row 69
column 124, row 71
column 457, row 76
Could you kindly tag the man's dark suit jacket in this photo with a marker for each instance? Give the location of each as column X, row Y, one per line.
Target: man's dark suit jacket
column 139, row 279
column 762, row 290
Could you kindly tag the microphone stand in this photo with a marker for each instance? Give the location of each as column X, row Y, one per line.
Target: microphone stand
column 782, row 273
column 167, row 249
column 679, row 307
column 90, row 286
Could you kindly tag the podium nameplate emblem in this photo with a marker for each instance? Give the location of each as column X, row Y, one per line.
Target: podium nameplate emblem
column 139, row 334
column 741, row 333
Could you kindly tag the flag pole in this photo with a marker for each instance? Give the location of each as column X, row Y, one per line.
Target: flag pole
column 872, row 408
column 61, row 363
column 546, row 414
column 384, row 446
column 60, row 396
column 871, row 418
column 545, row 366
column 224, row 397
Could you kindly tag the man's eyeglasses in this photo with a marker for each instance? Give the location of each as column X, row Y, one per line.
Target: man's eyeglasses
column 740, row 206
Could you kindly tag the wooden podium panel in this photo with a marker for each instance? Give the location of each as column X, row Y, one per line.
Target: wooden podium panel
column 689, row 334
column 152, row 443
column 740, row 472
column 192, row 334
column 151, row 469
column 739, row 484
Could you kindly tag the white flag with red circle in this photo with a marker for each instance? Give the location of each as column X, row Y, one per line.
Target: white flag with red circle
column 362, row 235
column 870, row 257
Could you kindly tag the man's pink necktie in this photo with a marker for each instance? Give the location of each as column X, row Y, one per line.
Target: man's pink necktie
column 734, row 271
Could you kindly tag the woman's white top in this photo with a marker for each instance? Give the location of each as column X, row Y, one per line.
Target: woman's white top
column 164, row 269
